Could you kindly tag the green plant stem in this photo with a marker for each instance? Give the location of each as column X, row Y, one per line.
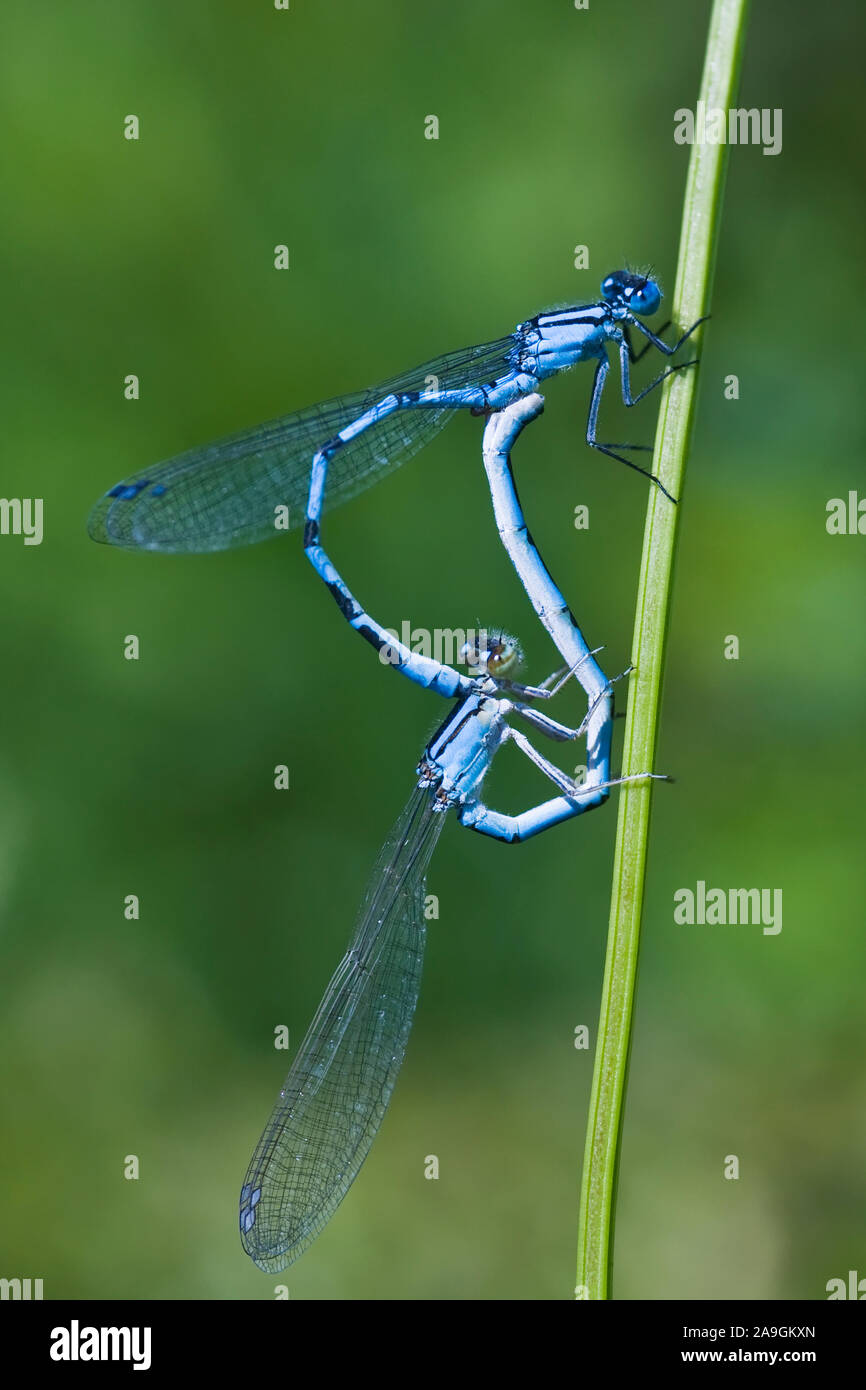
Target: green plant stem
column 698, row 240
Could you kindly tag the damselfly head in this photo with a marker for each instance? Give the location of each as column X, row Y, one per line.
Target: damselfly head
column 491, row 654
column 630, row 290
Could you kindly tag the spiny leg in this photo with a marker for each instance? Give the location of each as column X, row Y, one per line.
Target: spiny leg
column 653, row 340
column 561, row 779
column 563, row 733
column 475, row 815
column 627, row 355
column 601, row 372
column 554, row 774
column 636, row 356
column 589, row 713
column 625, row 381
column 560, row 733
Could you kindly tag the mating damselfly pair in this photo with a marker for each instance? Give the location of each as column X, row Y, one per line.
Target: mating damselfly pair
column 239, row 491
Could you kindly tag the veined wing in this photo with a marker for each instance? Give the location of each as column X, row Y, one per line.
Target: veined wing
column 225, row 494
column 339, row 1085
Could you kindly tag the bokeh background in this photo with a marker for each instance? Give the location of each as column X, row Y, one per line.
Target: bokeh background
column 154, row 777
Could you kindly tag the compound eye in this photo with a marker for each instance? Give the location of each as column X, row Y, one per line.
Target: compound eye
column 490, row 655
column 647, row 298
column 504, row 655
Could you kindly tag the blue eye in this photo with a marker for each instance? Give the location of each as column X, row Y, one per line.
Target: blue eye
column 647, row 299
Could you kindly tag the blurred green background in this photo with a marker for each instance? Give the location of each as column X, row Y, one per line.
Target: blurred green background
column 154, row 777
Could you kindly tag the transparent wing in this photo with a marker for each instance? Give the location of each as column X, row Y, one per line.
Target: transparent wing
column 224, row 494
column 339, row 1085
